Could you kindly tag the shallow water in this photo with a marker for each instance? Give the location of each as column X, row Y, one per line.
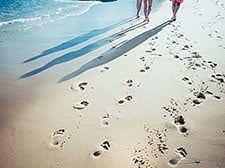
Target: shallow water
column 26, row 14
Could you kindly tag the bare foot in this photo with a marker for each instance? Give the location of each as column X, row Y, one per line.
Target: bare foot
column 173, row 18
column 147, row 20
column 138, row 15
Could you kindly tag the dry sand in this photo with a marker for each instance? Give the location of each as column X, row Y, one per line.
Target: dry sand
column 154, row 97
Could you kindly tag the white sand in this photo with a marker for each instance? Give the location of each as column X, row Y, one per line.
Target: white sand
column 138, row 110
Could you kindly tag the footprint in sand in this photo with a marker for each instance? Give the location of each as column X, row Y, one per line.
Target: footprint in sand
column 212, row 64
column 127, row 98
column 82, row 85
column 142, row 59
column 200, row 96
column 57, row 138
column 105, row 146
column 80, row 106
column 211, row 94
column 186, row 79
column 219, row 78
column 199, row 99
column 146, row 68
column 79, row 86
column 151, row 50
column 105, row 121
column 179, row 120
column 129, row 82
column 221, row 46
column 104, row 69
column 181, row 154
column 186, row 47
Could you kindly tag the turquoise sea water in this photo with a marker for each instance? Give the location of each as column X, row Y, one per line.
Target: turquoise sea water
column 17, row 15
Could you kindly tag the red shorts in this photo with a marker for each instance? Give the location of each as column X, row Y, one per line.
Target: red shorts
column 180, row 1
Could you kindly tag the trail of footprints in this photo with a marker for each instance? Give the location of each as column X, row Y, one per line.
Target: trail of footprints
column 150, row 55
column 155, row 147
column 193, row 61
column 209, row 26
column 176, row 110
column 156, row 139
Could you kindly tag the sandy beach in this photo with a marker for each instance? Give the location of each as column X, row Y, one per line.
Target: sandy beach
column 153, row 96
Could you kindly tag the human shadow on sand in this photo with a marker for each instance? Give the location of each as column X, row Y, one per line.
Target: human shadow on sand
column 75, row 41
column 85, row 50
column 116, row 52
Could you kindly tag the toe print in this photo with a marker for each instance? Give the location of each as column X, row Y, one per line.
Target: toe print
column 105, row 145
column 129, row 98
column 82, row 85
column 181, row 151
column 179, row 120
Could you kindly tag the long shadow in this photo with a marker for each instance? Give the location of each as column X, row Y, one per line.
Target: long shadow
column 114, row 53
column 76, row 41
column 85, row 50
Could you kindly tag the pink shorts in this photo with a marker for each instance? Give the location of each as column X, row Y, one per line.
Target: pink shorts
column 180, row 1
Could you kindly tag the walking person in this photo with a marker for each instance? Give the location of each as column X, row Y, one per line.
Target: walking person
column 147, row 8
column 175, row 8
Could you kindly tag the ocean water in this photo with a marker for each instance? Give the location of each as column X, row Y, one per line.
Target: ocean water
column 17, row 15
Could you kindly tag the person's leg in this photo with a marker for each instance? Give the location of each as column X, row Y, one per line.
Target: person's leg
column 149, row 6
column 146, row 10
column 173, row 7
column 176, row 7
column 138, row 5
